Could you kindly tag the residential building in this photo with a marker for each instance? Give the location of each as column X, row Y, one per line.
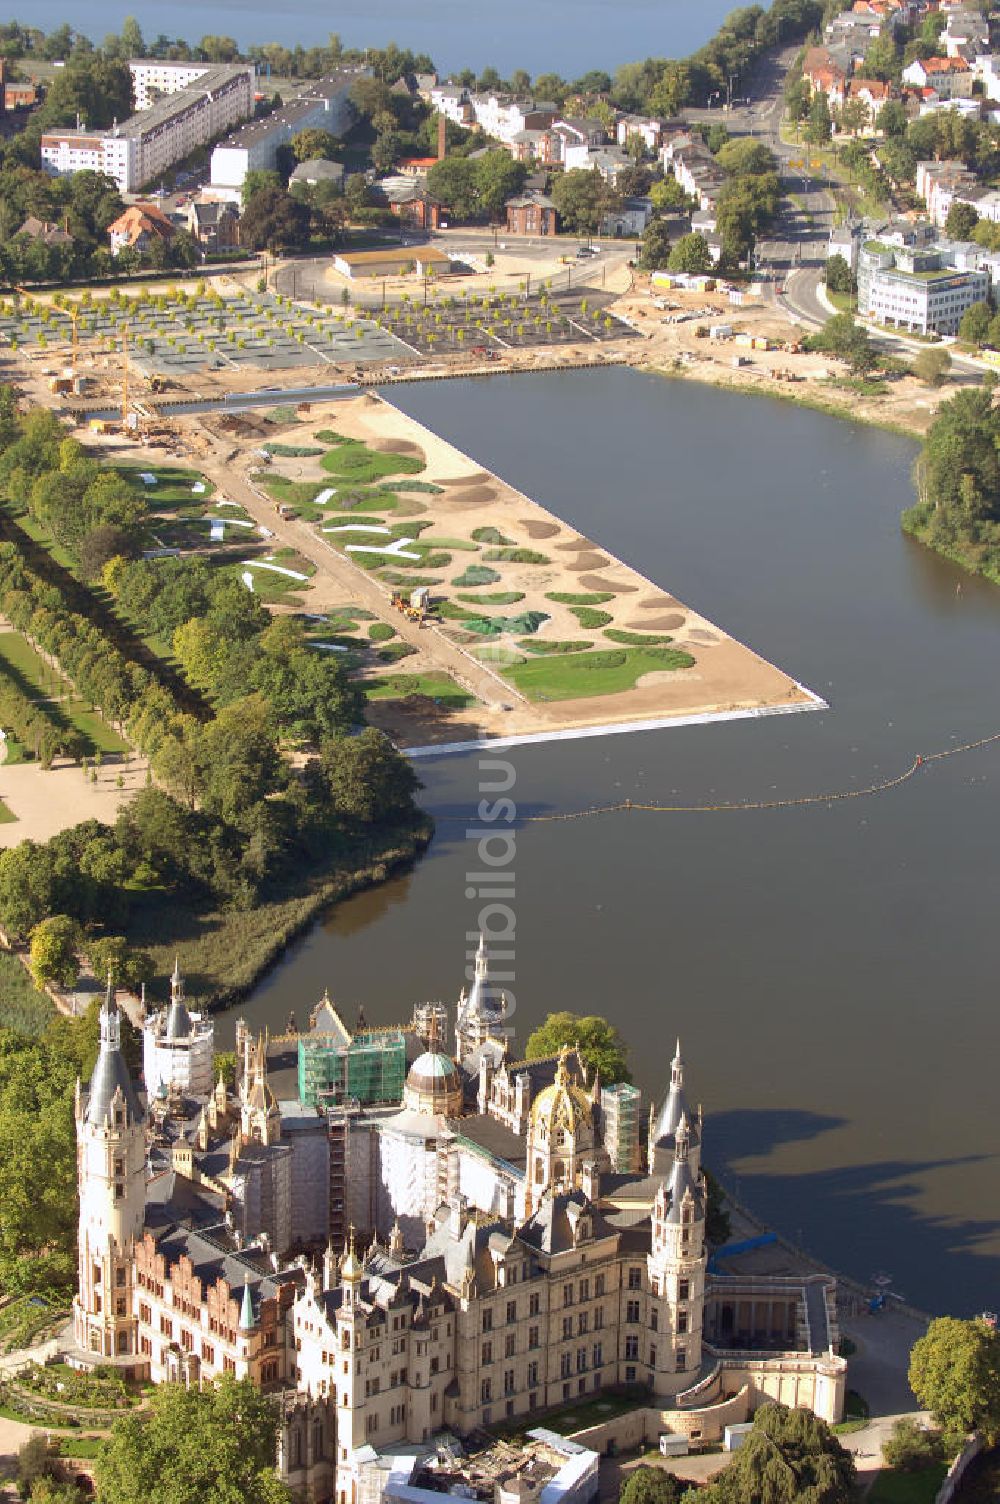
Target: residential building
column 609, row 161
column 45, row 230
column 452, row 101
column 138, row 227
column 531, row 214
column 19, row 96
column 325, row 104
column 411, row 203
column 178, row 120
column 916, row 289
column 644, row 128
column 872, row 93
column 939, row 183
column 949, row 77
column 966, row 34
column 630, row 220
column 214, row 223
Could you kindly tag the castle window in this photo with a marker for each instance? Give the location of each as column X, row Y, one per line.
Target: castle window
column 511, row 1310
column 567, row 1295
column 581, row 1360
column 585, row 1289
column 654, row 1320
column 509, row 1345
column 598, row 1318
column 632, row 1311
column 533, row 1336
column 682, row 1321
column 565, row 1365
column 635, row 1277
column 508, row 1381
column 630, row 1375
column 487, row 1352
column 683, row 1290
column 631, row 1349
column 120, row 1277
column 487, row 1321
column 652, row 1357
column 97, row 1274
column 582, row 1323
column 567, row 1327
column 681, row 1359
column 486, row 1391
column 598, row 1355
column 532, row 1377
column 655, row 1284
column 120, row 1306
column 534, row 1303
column 599, row 1284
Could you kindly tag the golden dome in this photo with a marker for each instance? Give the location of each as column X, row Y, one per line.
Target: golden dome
column 563, row 1105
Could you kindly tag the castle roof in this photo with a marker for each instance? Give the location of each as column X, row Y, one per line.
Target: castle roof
column 111, row 1080
column 178, row 1024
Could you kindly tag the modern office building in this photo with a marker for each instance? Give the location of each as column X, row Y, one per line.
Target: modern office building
column 917, row 289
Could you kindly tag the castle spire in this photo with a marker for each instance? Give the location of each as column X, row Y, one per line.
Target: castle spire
column 247, row 1322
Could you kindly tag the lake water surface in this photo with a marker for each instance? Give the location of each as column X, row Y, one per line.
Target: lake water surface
column 564, row 36
column 832, row 970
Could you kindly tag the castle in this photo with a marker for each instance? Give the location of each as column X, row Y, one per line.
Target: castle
column 396, row 1250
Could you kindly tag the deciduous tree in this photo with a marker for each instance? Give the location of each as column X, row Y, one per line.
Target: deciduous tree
column 601, row 1046
column 55, row 945
column 955, row 1373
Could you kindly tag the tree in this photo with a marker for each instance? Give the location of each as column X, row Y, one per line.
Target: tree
column 910, row 1448
column 655, row 251
column 315, row 142
column 498, row 178
column 839, row 277
column 975, row 325
column 113, row 956
column 369, row 781
column 649, row 1485
column 38, row 1460
column 932, row 366
column 191, row 1445
column 819, row 127
column 892, row 118
column 274, row 219
column 453, row 182
column 788, row 1457
column 746, row 157
column 38, row 1210
column 962, row 220
column 798, row 97
column 691, row 254
column 54, row 950
column 582, row 199
column 993, row 337
column 600, row 1045
column 257, row 180
column 668, row 194
column 842, row 337
column 955, row 1373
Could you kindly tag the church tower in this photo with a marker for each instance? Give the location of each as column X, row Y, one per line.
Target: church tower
column 561, row 1137
column 111, row 1178
column 663, row 1124
column 676, row 1272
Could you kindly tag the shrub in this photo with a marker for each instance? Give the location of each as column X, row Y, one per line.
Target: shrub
column 910, row 1448
column 380, row 631
column 589, row 618
column 476, row 574
column 565, row 598
column 489, row 535
column 554, row 647
column 394, row 651
column 516, row 556
column 636, row 639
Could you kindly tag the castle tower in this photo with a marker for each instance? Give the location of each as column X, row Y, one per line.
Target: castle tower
column 111, row 1179
column 676, row 1270
column 663, row 1124
column 178, row 1047
column 478, row 1015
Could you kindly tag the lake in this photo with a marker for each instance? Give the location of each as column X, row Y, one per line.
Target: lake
column 831, row 969
column 569, row 37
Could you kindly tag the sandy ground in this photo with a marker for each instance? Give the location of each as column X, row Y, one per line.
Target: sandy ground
column 727, row 676
column 45, row 802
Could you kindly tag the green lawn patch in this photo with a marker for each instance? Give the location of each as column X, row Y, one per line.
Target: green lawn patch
column 436, row 686
column 174, row 484
column 516, row 556
column 476, row 574
column 564, row 598
column 327, row 436
column 636, row 639
column 546, row 648
column 393, row 577
column 583, row 675
column 893, row 1487
column 293, row 451
column 380, row 631
column 498, row 598
column 589, row 618
column 57, row 693
column 84, row 1447
column 394, row 651
column 459, row 544
column 354, row 461
column 495, row 653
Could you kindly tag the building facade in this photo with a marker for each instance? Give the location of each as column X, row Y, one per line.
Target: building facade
column 915, row 288
column 516, row 1249
column 325, row 104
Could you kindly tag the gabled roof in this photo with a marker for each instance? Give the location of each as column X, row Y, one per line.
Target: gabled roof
column 141, row 219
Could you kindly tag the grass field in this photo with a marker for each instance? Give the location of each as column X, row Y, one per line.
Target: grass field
column 48, row 685
column 578, row 676
column 439, row 687
column 22, row 1006
column 892, row 1487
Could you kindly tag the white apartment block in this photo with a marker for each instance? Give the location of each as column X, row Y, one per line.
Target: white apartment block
column 324, row 104
column 915, row 290
column 136, row 151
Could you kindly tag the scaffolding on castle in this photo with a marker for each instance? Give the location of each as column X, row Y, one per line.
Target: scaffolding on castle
column 370, row 1070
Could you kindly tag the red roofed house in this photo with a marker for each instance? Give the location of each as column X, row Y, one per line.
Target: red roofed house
column 824, row 75
column 950, row 77
column 872, row 92
column 138, row 227
column 415, row 167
